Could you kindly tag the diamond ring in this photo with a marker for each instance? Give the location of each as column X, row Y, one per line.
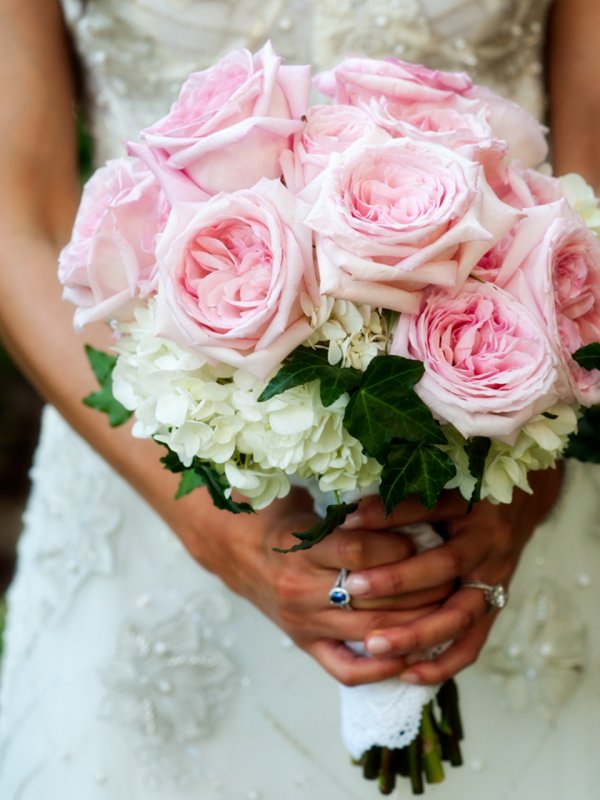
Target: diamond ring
column 339, row 596
column 495, row 596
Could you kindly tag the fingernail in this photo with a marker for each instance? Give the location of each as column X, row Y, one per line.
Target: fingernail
column 410, row 677
column 352, row 522
column 378, row 645
column 357, row 584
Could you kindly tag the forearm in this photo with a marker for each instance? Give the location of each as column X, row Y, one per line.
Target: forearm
column 574, row 87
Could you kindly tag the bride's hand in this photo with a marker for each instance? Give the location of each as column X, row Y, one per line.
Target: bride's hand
column 293, row 589
column 485, row 545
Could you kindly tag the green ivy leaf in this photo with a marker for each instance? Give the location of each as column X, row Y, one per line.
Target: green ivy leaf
column 217, row 485
column 386, row 407
column 584, row 445
column 190, row 480
column 477, row 450
column 420, row 469
column 202, row 473
column 334, row 517
column 305, row 365
column 103, row 400
column 588, row 356
column 171, row 461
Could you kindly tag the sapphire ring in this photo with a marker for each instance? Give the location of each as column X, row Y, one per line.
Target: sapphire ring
column 339, row 596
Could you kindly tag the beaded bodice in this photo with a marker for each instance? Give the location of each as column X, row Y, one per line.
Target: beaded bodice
column 136, row 54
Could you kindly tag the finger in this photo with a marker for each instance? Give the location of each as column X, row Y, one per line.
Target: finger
column 351, row 669
column 410, row 600
column 457, row 657
column 460, row 556
column 371, row 515
column 453, row 620
column 353, row 626
column 356, row 550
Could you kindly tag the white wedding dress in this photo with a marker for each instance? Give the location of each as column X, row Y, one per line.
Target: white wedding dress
column 131, row 673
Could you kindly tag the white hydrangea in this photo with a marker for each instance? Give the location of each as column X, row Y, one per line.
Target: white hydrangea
column 538, row 446
column 213, row 413
column 583, row 199
column 353, row 334
column 260, row 487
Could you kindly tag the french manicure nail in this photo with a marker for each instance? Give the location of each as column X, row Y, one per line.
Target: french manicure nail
column 378, row 645
column 357, row 584
column 352, row 522
column 410, row 677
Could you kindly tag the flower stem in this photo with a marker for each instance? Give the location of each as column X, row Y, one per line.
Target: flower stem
column 430, row 746
column 372, row 763
column 415, row 766
column 450, row 725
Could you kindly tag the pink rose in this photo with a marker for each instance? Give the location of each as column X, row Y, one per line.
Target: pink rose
column 110, row 259
column 328, row 129
column 231, row 122
column 525, row 137
column 392, row 83
column 455, row 122
column 489, row 267
column 554, row 267
column 231, row 275
column 356, row 81
column 489, row 366
column 525, row 188
column 393, row 216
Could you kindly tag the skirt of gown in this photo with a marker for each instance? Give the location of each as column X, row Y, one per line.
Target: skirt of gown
column 129, row 672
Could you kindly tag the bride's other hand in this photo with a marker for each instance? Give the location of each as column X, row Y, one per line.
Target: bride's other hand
column 484, row 545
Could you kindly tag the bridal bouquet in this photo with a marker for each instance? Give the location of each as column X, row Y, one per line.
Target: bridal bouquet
column 378, row 294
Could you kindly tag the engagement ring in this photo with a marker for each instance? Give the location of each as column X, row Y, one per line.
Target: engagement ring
column 495, row 596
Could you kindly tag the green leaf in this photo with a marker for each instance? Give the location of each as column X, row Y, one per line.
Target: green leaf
column 217, row 485
column 171, row 461
column 588, row 356
column 190, row 480
column 305, row 365
column 420, row 469
column 477, row 450
column 386, row 407
column 202, row 473
column 103, row 400
column 585, row 444
column 334, row 517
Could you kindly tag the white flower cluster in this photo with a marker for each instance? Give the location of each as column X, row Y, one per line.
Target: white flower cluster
column 353, row 334
column 213, row 413
column 538, row 446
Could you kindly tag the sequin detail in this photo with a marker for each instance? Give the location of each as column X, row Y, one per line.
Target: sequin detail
column 169, row 683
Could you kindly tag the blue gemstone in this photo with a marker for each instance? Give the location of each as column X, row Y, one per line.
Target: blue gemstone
column 339, row 597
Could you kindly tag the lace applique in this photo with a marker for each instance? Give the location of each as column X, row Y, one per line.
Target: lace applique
column 540, row 648
column 169, row 683
column 79, row 524
column 74, row 515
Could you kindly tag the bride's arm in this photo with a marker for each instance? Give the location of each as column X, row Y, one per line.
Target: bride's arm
column 38, row 198
column 574, row 88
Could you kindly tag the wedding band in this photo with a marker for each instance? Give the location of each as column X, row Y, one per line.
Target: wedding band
column 495, row 596
column 339, row 596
